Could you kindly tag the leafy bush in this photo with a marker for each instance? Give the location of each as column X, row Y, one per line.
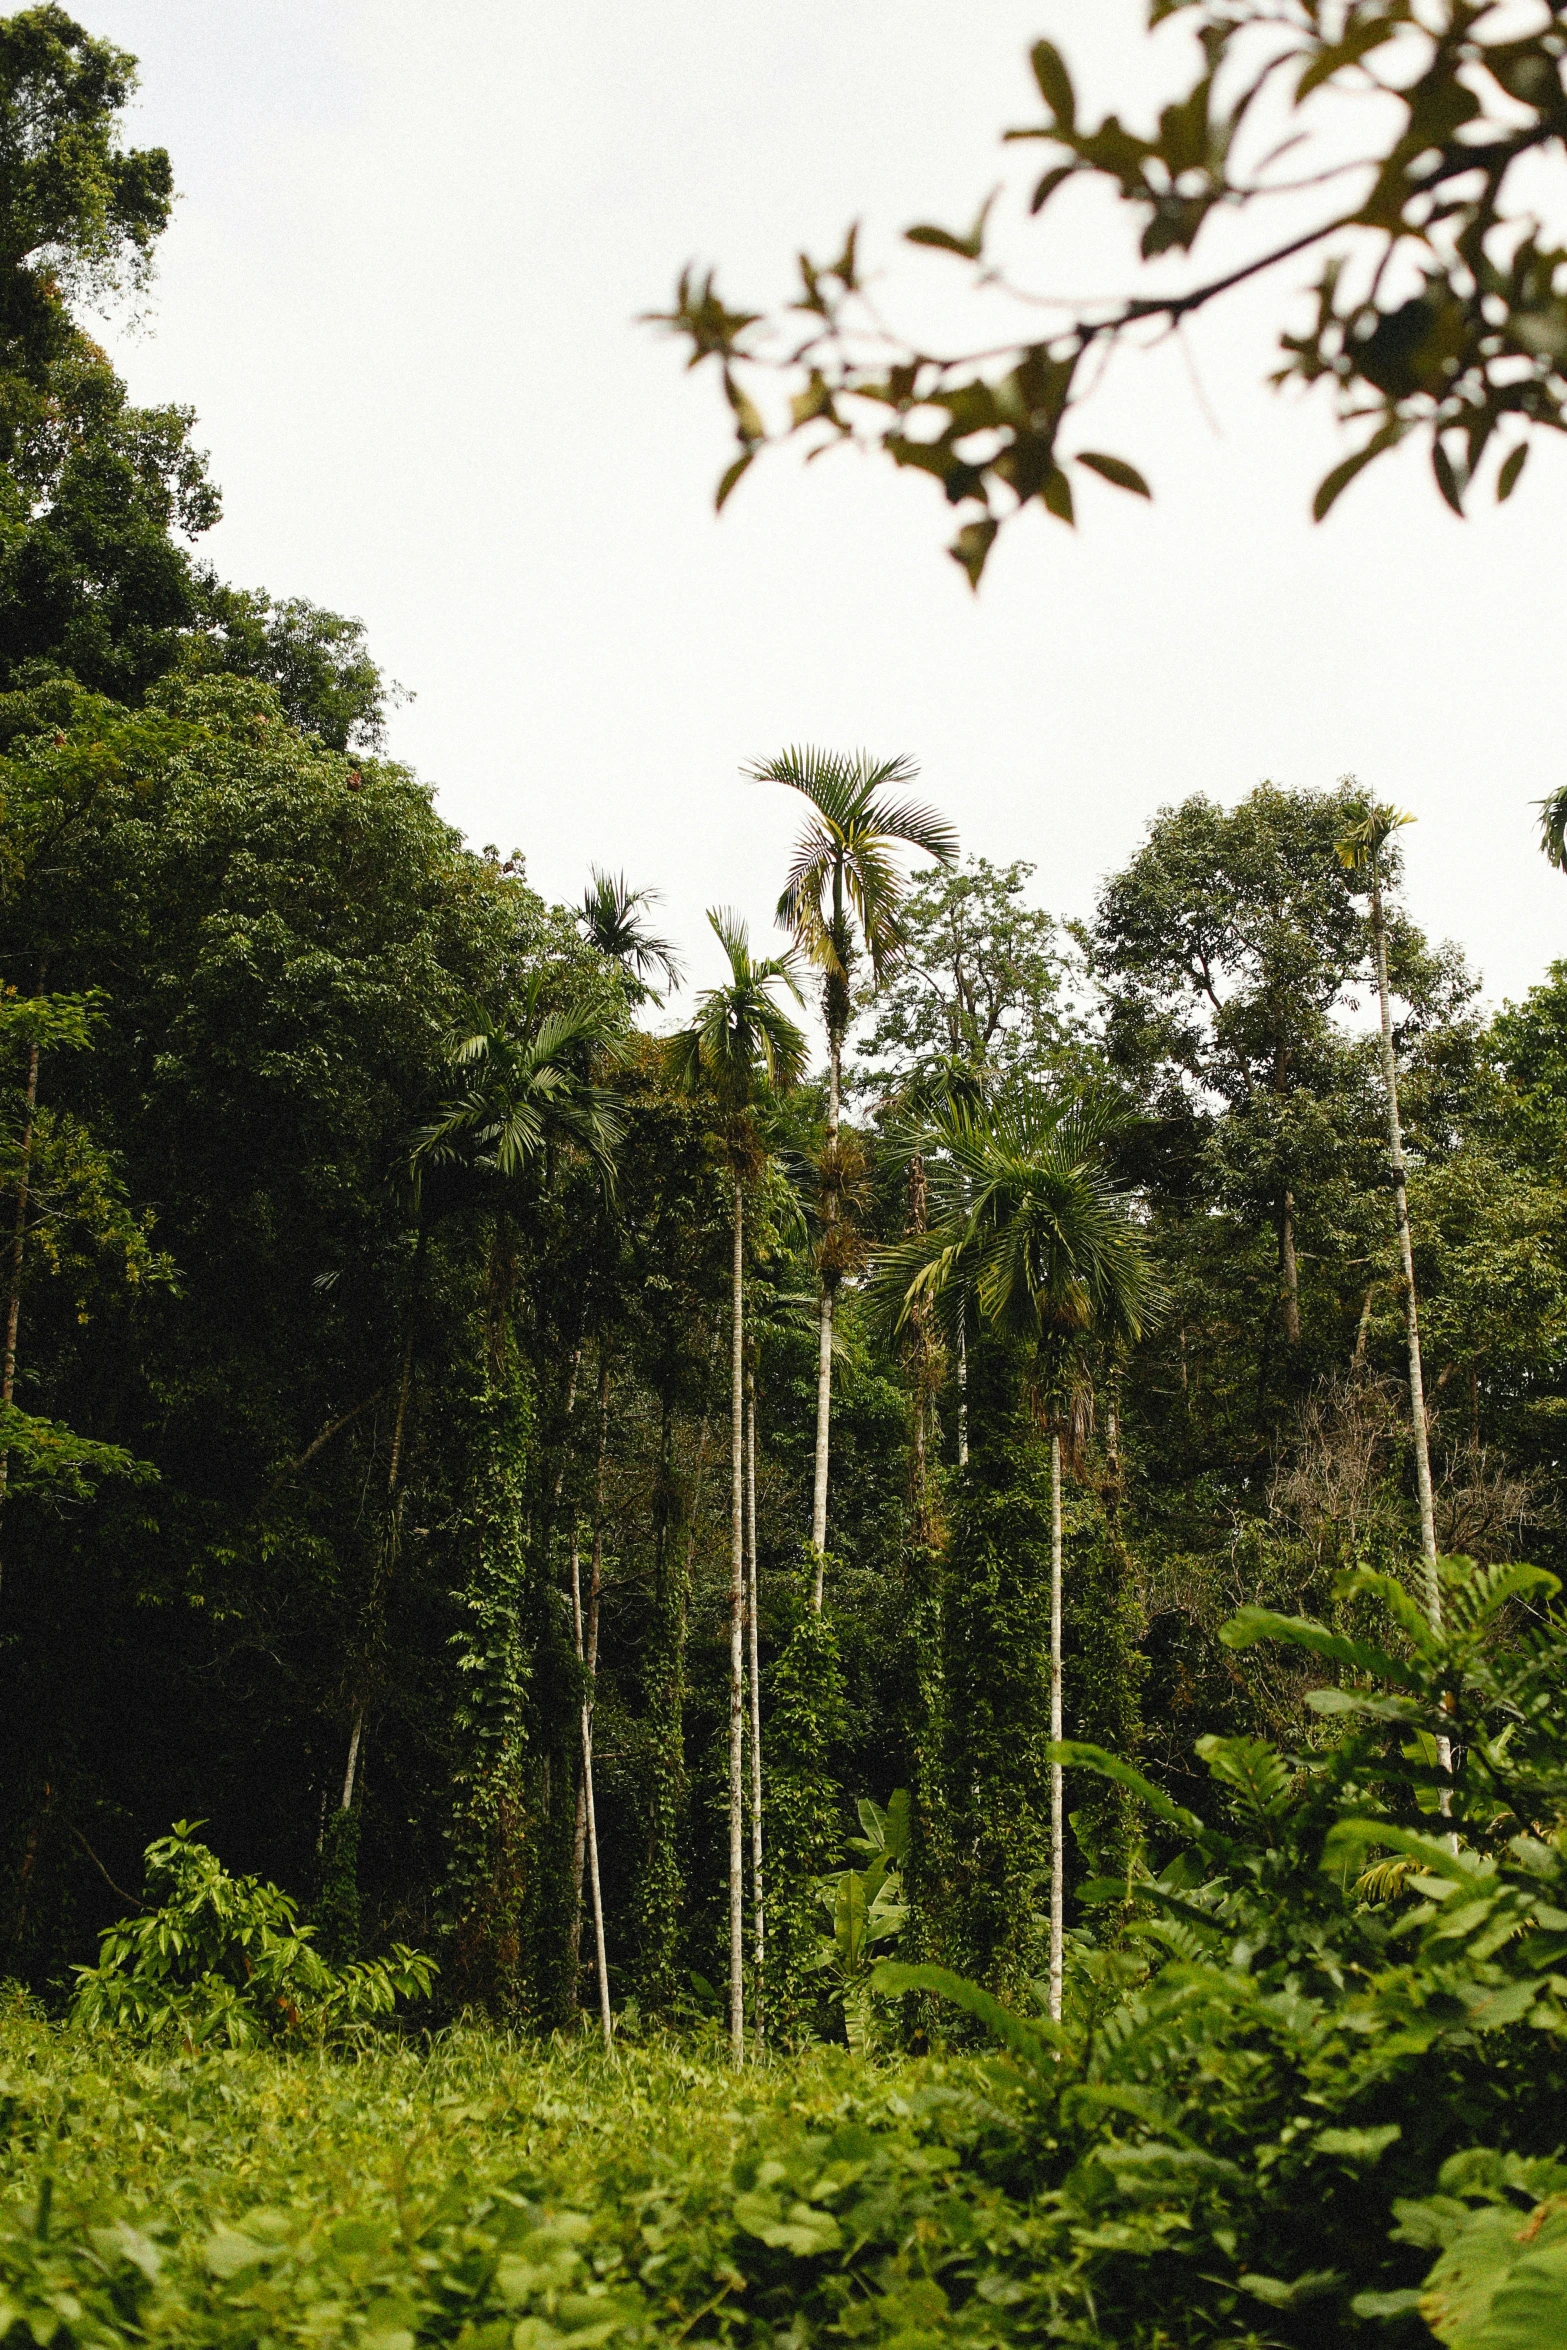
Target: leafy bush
column 865, row 1907
column 1309, row 2091
column 1501, row 2283
column 224, row 1959
column 1333, row 1994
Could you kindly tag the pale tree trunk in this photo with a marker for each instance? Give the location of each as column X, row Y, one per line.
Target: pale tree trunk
column 753, row 1591
column 579, row 1843
column 1057, row 1787
column 387, row 1557
column 587, row 1842
column 737, row 1640
column 13, row 1302
column 824, row 1359
column 1417, row 1385
column 1289, row 1267
column 962, row 1383
column 920, row 1355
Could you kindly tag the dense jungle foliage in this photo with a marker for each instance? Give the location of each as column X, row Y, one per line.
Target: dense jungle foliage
column 532, row 1511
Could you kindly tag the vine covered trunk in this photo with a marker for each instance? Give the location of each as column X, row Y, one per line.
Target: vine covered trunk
column 737, row 1616
column 1057, row 1787
column 824, row 1355
column 13, row 1302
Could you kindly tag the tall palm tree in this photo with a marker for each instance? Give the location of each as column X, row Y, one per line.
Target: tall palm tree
column 844, row 900
column 1031, row 1225
column 740, row 1041
column 614, row 919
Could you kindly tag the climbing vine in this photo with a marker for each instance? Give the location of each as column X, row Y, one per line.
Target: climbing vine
column 803, row 1715
column 486, row 1881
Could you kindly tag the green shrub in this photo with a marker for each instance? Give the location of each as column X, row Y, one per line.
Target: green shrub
column 865, row 1907
column 224, row 1959
column 1327, row 1993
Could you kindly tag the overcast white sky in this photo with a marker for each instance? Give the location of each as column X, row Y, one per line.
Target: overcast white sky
column 401, row 292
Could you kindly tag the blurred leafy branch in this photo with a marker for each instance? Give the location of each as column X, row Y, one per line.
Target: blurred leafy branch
column 1440, row 311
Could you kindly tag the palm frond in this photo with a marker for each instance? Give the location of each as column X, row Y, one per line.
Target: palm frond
column 527, row 1092
column 843, row 860
column 740, row 1038
column 916, row 824
column 1553, row 828
column 1032, row 1225
column 614, row 917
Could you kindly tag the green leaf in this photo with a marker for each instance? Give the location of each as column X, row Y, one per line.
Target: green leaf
column 1116, row 470
column 1250, row 1624
column 1348, row 1839
column 970, row 247
column 1035, row 2041
column 800, row 2227
column 1275, row 2293
column 1057, row 495
column 1446, row 478
column 731, row 476
column 1332, row 484
column 229, row 2250
column 1360, row 2145
column 748, row 417
column 972, row 544
column 1512, row 465
column 1048, row 185
column 1073, row 1754
column 1055, row 83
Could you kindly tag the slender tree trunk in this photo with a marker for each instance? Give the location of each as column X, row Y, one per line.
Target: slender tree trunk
column 579, row 1832
column 752, row 1609
column 587, row 1654
column 587, row 1657
column 921, row 1357
column 1417, row 1385
column 388, row 1549
column 564, row 1455
column 606, row 2020
column 1417, row 1389
column 1057, row 1787
column 962, row 1382
column 13, row 1301
column 1289, row 1267
column 824, row 1351
column 737, row 1638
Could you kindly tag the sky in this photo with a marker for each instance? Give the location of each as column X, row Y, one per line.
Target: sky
column 403, row 290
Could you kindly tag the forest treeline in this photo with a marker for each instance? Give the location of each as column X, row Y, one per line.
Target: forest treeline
column 373, row 1380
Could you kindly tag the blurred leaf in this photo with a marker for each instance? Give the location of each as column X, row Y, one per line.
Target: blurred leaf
column 1116, row 470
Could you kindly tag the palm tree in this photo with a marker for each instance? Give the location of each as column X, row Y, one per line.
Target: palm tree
column 843, row 900
column 525, row 1093
column 614, row 919
column 1032, row 1226
column 740, row 1041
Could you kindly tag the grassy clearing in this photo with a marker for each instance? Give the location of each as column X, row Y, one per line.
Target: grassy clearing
column 503, row 2196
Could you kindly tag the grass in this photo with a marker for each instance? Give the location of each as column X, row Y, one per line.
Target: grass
column 503, row 2196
